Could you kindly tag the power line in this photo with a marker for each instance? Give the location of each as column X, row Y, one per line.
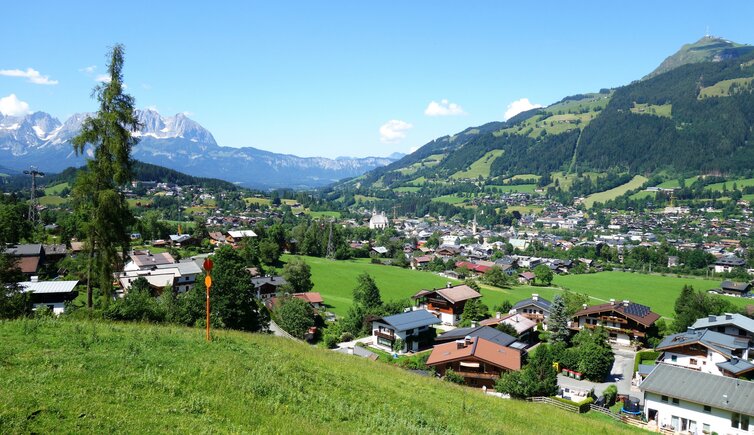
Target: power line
column 34, row 201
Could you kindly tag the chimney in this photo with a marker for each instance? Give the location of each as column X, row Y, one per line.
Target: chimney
column 498, row 315
column 35, row 278
column 534, row 297
column 350, row 351
column 448, row 284
column 734, row 360
column 460, row 344
column 712, row 318
column 626, row 302
column 467, row 340
column 583, row 306
column 728, row 316
column 612, row 301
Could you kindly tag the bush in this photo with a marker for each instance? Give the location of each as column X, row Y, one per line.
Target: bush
column 346, row 336
column 452, row 376
column 611, row 392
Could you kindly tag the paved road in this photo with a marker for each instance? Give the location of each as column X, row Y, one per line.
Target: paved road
column 278, row 331
column 620, row 375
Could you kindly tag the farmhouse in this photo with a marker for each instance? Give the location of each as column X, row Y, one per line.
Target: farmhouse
column 735, row 288
column 728, row 263
column 413, row 328
column 479, row 361
column 689, row 400
column 736, row 325
column 446, row 303
column 625, row 321
column 267, row 286
column 485, row 332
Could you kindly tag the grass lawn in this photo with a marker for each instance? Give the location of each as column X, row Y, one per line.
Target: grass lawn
column 259, row 201
column 525, row 209
column 96, row 377
column 664, row 110
column 407, row 189
column 141, row 200
column 723, row 88
column 656, row 291
column 615, row 192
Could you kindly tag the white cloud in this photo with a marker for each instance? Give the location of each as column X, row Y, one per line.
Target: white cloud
column 519, row 106
column 102, row 78
column 12, row 106
column 443, row 108
column 33, row 75
column 394, row 131
column 89, row 69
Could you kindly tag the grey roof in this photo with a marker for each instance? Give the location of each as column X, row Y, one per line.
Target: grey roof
column 185, row 267
column 720, row 392
column 737, row 320
column 26, row 250
column 486, row 332
column 410, row 320
column 735, row 286
column 39, row 287
column 544, row 304
column 645, row 369
column 736, row 366
column 730, row 261
column 274, row 280
column 719, row 342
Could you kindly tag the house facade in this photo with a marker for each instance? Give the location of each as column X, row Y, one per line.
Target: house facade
column 52, row 294
column 708, row 352
column 413, row 328
column 624, row 321
column 534, row 308
column 446, row 303
column 690, row 401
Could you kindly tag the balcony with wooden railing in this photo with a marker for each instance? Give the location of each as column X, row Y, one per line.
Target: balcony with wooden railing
column 384, row 334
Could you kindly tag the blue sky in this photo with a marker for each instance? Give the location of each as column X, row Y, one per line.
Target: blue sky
column 344, row 77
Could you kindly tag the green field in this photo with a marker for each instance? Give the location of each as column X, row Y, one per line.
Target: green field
column 656, row 291
column 407, row 189
column 480, row 167
column 524, row 177
column 726, row 88
column 450, row 199
column 52, row 200
column 258, row 201
column 525, row 209
column 95, row 377
column 566, row 180
column 665, row 110
column 322, row 214
column 615, row 192
column 56, row 189
column 718, row 187
column 335, row 280
column 508, row 188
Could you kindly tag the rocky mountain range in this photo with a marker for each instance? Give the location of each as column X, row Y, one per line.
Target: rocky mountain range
column 176, row 142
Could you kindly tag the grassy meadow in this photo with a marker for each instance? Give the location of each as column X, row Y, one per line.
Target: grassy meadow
column 64, row 376
column 615, row 192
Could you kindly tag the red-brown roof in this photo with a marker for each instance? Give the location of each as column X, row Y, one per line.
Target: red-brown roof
column 311, row 297
column 478, row 348
column 473, row 267
column 641, row 314
column 28, row 264
column 452, row 294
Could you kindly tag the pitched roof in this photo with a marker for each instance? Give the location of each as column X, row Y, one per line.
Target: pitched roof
column 636, row 312
column 485, row 350
column 27, row 264
column 273, row 280
column 490, row 334
column 527, row 275
column 539, row 303
column 737, row 320
column 25, row 250
column 311, row 297
column 452, row 294
column 410, row 320
column 184, row 267
column 735, row 286
column 239, row 234
column 716, row 391
column 39, row 287
column 736, row 366
column 721, row 343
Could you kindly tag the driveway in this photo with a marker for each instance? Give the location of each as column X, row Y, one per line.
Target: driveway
column 620, row 375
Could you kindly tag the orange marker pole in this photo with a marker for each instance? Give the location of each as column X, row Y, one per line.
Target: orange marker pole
column 208, row 284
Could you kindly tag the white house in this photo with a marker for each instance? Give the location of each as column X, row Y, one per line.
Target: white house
column 411, row 327
column 734, row 324
column 690, row 401
column 707, row 351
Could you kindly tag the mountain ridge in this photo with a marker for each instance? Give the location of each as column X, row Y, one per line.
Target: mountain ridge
column 179, row 143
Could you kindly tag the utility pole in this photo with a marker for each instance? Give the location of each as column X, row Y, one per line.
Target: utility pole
column 34, row 202
column 329, row 243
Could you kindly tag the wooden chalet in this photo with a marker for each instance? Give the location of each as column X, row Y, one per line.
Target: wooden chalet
column 625, row 321
column 446, row 303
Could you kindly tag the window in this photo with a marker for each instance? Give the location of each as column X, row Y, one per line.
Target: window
column 692, row 361
column 675, row 401
column 737, row 420
column 674, row 358
column 664, row 398
column 707, row 409
column 744, row 422
column 706, row 429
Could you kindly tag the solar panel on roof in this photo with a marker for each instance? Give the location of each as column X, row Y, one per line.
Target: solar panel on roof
column 637, row 309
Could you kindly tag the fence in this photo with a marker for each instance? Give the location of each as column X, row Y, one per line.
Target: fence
column 630, row 421
column 555, row 403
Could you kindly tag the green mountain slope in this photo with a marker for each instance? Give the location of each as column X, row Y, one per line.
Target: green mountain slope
column 707, row 49
column 83, row 377
column 694, row 118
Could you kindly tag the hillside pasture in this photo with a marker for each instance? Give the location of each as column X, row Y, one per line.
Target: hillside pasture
column 480, row 168
column 615, row 192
